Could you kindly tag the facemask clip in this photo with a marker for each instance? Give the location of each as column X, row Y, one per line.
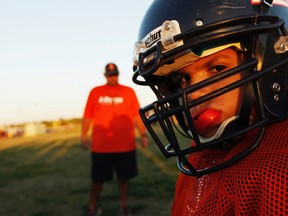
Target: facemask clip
column 281, row 46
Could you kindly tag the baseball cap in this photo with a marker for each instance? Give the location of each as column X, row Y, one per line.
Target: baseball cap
column 111, row 69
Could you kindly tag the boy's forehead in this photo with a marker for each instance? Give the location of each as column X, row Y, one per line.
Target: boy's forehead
column 189, row 57
column 220, row 57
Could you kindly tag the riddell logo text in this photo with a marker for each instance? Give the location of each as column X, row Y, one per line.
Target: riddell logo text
column 152, row 38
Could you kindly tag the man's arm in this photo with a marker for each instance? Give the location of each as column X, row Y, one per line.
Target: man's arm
column 142, row 130
column 84, row 134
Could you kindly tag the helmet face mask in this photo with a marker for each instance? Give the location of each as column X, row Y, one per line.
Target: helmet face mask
column 164, row 49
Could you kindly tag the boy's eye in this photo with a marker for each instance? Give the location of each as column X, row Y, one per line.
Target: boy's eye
column 185, row 79
column 181, row 79
column 217, row 69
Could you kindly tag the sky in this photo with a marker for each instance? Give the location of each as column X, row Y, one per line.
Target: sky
column 53, row 52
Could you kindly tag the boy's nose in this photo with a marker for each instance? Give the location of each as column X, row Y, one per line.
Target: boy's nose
column 196, row 78
column 199, row 93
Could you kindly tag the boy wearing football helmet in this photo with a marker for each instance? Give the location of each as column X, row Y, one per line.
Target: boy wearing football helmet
column 220, row 72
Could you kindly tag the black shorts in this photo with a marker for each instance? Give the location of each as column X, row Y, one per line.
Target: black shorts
column 103, row 165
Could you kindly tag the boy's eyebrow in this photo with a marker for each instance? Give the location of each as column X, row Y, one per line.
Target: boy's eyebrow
column 212, row 59
column 220, row 56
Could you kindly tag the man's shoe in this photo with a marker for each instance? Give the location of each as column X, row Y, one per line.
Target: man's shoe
column 125, row 212
column 97, row 212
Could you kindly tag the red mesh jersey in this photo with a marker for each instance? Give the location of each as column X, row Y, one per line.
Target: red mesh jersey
column 257, row 185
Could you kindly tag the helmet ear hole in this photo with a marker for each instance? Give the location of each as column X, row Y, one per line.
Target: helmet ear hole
column 273, row 85
column 275, row 93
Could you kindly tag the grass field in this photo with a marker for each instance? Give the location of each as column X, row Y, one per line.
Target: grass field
column 48, row 175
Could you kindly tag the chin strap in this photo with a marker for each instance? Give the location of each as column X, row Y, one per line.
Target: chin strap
column 244, row 118
column 219, row 131
column 245, row 111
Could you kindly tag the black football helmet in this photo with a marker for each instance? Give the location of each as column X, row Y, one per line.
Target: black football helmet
column 174, row 33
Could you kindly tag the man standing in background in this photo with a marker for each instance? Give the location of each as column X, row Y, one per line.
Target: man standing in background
column 112, row 111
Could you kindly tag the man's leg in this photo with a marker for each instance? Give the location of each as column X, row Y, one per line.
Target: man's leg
column 96, row 188
column 126, row 168
column 123, row 188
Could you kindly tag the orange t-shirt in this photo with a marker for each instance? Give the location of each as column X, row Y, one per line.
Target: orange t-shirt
column 112, row 110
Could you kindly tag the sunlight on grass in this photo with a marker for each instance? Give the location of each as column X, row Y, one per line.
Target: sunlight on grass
column 156, row 160
column 50, row 175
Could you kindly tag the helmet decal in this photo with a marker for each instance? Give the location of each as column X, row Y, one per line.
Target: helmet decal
column 270, row 3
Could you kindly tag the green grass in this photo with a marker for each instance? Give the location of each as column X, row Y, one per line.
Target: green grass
column 49, row 175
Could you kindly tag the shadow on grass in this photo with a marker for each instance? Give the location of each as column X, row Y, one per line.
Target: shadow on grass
column 50, row 175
